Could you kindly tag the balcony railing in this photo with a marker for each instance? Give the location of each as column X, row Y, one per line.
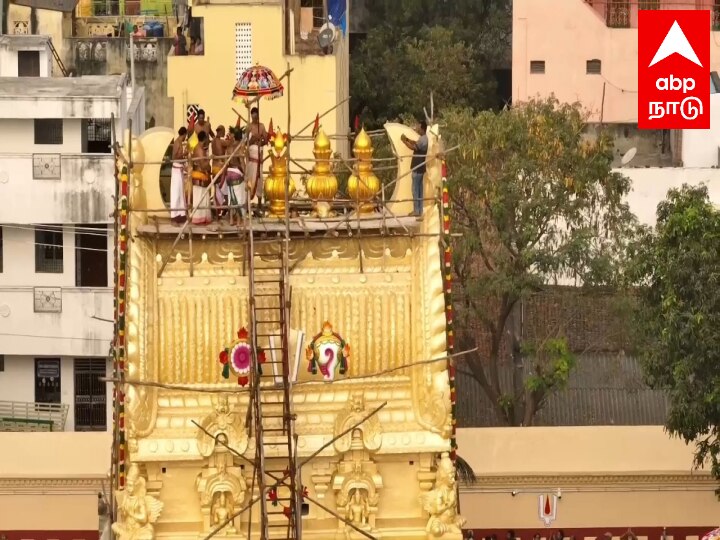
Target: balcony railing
column 29, row 416
column 624, row 13
column 63, row 188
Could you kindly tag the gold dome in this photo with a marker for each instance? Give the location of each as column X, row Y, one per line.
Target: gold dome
column 321, row 141
column 362, row 141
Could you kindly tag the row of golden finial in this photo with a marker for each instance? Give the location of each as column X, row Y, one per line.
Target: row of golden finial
column 322, row 184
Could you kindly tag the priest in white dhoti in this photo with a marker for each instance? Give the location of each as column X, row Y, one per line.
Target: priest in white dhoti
column 178, row 204
column 257, row 138
column 201, row 197
column 235, row 181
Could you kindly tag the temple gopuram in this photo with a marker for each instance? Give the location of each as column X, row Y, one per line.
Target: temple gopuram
column 289, row 376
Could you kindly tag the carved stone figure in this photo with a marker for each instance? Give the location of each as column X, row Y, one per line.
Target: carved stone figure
column 222, row 491
column 357, row 508
column 222, row 509
column 222, row 421
column 137, row 510
column 441, row 503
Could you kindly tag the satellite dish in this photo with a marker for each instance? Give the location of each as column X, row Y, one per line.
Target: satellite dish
column 629, row 156
column 327, row 34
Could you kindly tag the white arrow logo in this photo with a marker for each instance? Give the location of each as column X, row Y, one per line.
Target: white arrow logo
column 675, row 42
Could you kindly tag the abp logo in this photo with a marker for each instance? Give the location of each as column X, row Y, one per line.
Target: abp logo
column 674, row 69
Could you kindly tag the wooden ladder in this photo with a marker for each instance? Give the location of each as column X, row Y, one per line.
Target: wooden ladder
column 277, row 474
column 56, row 56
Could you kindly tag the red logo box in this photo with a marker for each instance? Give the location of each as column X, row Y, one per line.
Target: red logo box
column 674, row 69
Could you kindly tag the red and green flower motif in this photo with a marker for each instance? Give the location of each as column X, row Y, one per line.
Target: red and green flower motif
column 273, row 498
column 328, row 352
column 237, row 358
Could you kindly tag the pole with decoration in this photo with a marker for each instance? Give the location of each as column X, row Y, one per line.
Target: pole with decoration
column 449, row 313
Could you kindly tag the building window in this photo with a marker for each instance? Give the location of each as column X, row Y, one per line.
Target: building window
column 243, row 48
column 716, row 15
column 649, row 4
column 47, row 380
column 2, row 363
column 96, row 136
column 48, row 250
column 91, row 256
column 28, row 63
column 197, row 36
column 618, row 13
column 537, row 66
column 593, row 67
column 48, row 131
column 90, row 394
column 317, row 8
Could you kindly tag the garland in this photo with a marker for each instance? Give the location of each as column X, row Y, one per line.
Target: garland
column 273, row 497
column 121, row 235
column 449, row 314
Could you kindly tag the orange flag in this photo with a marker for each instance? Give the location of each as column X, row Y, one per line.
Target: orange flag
column 357, row 123
column 316, row 127
column 271, row 131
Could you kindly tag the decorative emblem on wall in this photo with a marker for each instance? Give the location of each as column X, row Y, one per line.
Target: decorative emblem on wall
column 237, row 357
column 46, row 166
column 21, row 28
column 47, row 299
column 327, row 352
column 547, row 508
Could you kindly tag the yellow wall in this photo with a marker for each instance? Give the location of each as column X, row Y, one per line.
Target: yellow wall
column 316, row 84
column 50, row 481
column 608, row 477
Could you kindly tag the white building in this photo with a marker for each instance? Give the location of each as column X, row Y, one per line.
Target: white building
column 56, row 248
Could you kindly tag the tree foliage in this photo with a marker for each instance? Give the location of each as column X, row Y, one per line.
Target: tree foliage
column 536, row 203
column 679, row 316
column 417, row 46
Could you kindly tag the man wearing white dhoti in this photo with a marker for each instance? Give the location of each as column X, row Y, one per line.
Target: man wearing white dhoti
column 235, row 181
column 257, row 138
column 178, row 205
column 202, row 203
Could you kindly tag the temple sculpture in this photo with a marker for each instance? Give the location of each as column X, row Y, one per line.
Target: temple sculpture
column 368, row 313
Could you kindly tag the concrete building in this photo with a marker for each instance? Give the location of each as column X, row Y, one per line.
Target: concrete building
column 57, row 184
column 56, row 264
column 592, row 59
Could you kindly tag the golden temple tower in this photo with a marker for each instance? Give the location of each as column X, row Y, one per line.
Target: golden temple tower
column 278, row 179
column 282, row 379
column 363, row 185
column 322, row 185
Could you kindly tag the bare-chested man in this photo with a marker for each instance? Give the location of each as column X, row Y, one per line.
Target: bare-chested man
column 237, row 186
column 257, row 138
column 178, row 204
column 219, row 148
column 201, row 180
column 203, row 125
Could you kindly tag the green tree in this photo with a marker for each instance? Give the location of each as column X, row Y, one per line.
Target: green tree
column 536, row 203
column 679, row 316
column 417, row 46
column 411, row 67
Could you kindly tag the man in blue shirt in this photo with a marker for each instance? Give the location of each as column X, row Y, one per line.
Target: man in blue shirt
column 419, row 148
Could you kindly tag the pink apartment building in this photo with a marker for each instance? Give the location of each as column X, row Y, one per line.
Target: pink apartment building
column 586, row 51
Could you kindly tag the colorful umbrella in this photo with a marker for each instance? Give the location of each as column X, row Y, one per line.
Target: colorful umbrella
column 257, row 81
column 712, row 535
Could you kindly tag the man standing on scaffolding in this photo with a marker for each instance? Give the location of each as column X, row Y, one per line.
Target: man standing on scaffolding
column 420, row 149
column 257, row 137
column 202, row 213
column 178, row 205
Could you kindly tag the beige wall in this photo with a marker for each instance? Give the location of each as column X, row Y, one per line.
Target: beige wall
column 50, row 481
column 578, row 34
column 607, row 476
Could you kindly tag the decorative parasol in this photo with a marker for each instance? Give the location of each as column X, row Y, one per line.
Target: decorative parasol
column 257, row 81
column 712, row 535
